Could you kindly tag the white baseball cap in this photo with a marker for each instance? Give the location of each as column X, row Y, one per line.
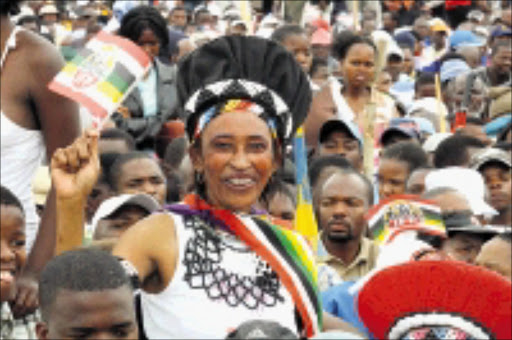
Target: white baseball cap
column 433, row 141
column 468, row 182
column 111, row 205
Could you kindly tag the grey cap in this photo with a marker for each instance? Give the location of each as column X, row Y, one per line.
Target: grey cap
column 491, row 155
column 261, row 329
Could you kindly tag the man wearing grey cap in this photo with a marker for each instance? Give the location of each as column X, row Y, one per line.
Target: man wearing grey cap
column 495, row 167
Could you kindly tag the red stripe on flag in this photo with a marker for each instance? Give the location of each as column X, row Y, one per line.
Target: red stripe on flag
column 131, row 48
column 95, row 109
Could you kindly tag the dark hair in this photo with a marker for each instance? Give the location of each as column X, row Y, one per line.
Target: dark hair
column 408, row 152
column 9, row 7
column 275, row 186
column 319, row 163
column 174, row 184
column 344, row 40
column 507, row 237
column 28, row 19
column 201, row 10
column 498, row 45
column 8, row 198
column 453, row 150
column 115, row 133
column 369, row 186
column 425, row 78
column 175, row 152
column 177, row 8
column 115, row 170
column 141, row 18
column 283, row 32
column 316, row 64
column 84, row 270
column 450, row 56
column 394, row 16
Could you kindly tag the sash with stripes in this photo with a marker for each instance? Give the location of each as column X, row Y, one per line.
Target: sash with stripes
column 284, row 250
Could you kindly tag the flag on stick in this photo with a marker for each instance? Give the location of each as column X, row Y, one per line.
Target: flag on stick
column 305, row 222
column 102, row 74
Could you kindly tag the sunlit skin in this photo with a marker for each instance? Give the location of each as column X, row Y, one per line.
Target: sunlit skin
column 12, row 248
column 142, row 175
column 496, row 255
column 104, row 314
column 149, row 42
column 392, row 177
column 416, row 182
column 236, row 159
column 300, row 46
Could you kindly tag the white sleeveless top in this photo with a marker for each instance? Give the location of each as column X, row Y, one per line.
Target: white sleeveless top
column 21, row 151
column 182, row 312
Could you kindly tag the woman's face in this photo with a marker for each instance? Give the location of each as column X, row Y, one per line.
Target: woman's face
column 358, row 67
column 236, row 159
column 149, row 43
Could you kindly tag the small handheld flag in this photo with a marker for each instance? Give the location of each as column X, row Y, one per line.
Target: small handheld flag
column 102, row 74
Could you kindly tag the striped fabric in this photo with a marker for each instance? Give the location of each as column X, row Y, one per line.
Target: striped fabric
column 404, row 212
column 102, row 74
column 285, row 251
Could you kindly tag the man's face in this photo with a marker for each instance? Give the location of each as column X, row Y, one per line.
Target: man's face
column 408, row 62
column 343, row 204
column 476, row 104
column 496, row 255
column 463, row 246
column 392, row 177
column 281, row 206
column 497, row 179
column 368, row 27
column 502, row 61
column 439, row 39
column 105, row 314
column 178, row 18
column 113, row 226
column 343, row 144
column 387, row 22
column 142, row 175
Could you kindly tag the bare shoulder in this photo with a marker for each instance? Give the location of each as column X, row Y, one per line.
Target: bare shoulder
column 40, row 53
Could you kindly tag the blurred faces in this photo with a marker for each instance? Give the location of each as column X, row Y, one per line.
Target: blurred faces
column 392, row 177
column 12, row 248
column 463, row 246
column 113, row 226
column 502, row 61
column 343, row 204
column 320, row 76
column 178, row 18
column 439, row 40
column 384, row 82
column 497, row 179
column 236, row 159
column 368, row 26
column 341, row 143
column 416, row 182
column 476, row 104
column 300, row 46
column 472, row 55
column 142, row 175
column 149, row 42
column 422, row 28
column 496, row 255
column 408, row 61
column 104, row 314
column 358, row 67
column 395, row 66
column 388, row 23
column 281, row 206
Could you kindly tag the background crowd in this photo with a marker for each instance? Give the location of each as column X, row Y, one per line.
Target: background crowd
column 409, row 127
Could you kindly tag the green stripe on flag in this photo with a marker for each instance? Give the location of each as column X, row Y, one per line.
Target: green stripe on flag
column 121, row 78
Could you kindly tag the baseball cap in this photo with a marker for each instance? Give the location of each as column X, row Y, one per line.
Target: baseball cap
column 438, row 25
column 339, row 124
column 452, row 68
column 468, row 182
column 465, row 38
column 425, row 126
column 406, row 38
column 501, row 32
column 111, row 205
column 491, row 155
column 476, row 15
column 41, row 184
column 462, row 221
column 48, row 9
column 321, row 37
column 405, row 126
column 261, row 329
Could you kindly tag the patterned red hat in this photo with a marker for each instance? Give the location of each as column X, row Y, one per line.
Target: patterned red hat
column 437, row 300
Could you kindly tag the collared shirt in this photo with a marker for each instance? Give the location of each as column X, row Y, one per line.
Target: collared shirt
column 13, row 329
column 362, row 264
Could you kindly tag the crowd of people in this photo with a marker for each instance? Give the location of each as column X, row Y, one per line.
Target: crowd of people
column 176, row 216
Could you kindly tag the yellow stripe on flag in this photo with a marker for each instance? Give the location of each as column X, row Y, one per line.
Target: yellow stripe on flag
column 69, row 69
column 110, row 91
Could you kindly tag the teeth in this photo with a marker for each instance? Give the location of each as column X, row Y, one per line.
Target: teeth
column 241, row 181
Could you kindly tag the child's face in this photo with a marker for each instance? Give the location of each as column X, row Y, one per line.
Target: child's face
column 12, row 248
column 300, row 46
